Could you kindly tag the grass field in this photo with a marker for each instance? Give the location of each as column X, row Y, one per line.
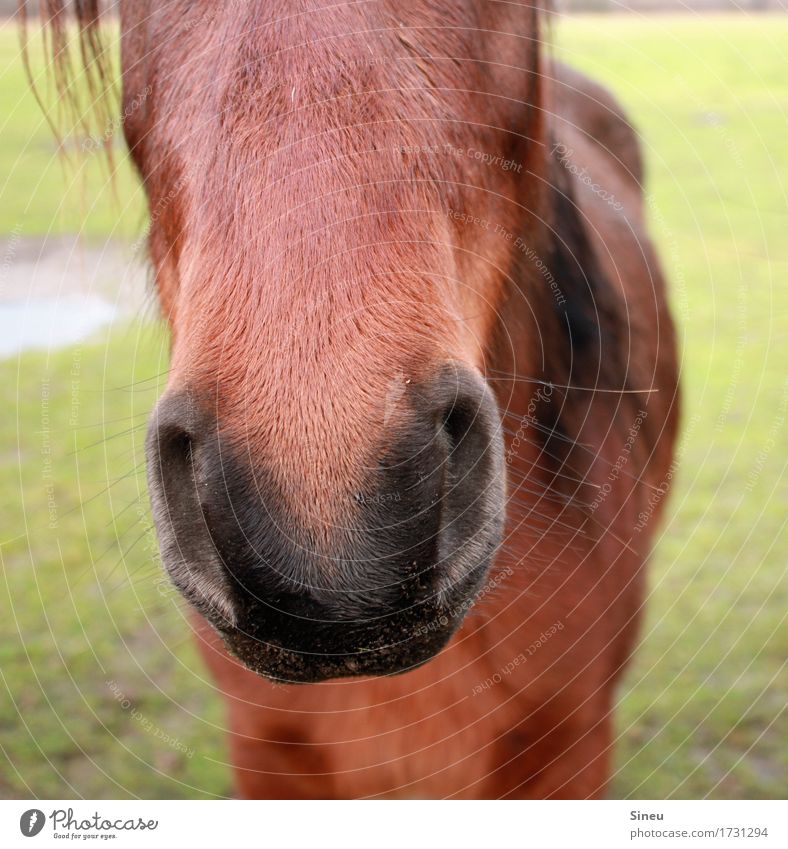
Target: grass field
column 102, row 694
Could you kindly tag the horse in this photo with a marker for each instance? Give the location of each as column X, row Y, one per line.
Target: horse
column 420, row 417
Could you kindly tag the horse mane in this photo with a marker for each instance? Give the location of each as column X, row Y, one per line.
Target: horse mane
column 79, row 64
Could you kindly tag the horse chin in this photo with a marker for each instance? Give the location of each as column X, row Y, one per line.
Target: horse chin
column 284, row 666
column 389, row 645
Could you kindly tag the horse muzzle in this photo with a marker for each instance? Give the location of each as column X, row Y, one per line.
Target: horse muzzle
column 387, row 590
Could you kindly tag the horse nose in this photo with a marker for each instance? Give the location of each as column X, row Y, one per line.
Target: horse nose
column 412, row 545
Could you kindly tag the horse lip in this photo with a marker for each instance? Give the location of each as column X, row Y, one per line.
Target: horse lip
column 242, row 625
column 417, row 637
column 414, row 641
column 195, row 568
column 210, row 600
column 282, row 665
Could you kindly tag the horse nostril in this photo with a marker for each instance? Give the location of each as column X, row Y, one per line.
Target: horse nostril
column 471, row 501
column 175, row 456
column 456, row 422
column 178, row 445
column 448, row 464
column 172, row 440
column 467, row 423
column 172, row 449
column 181, row 444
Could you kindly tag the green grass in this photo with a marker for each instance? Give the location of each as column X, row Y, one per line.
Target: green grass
column 701, row 709
column 87, row 619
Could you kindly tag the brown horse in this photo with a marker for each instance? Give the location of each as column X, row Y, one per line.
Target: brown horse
column 423, row 390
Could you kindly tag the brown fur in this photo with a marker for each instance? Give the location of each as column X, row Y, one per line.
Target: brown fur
column 310, row 263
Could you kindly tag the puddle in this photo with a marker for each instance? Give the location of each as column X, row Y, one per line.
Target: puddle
column 55, row 292
column 48, row 323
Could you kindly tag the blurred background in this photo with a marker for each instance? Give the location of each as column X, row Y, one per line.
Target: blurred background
column 101, row 692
